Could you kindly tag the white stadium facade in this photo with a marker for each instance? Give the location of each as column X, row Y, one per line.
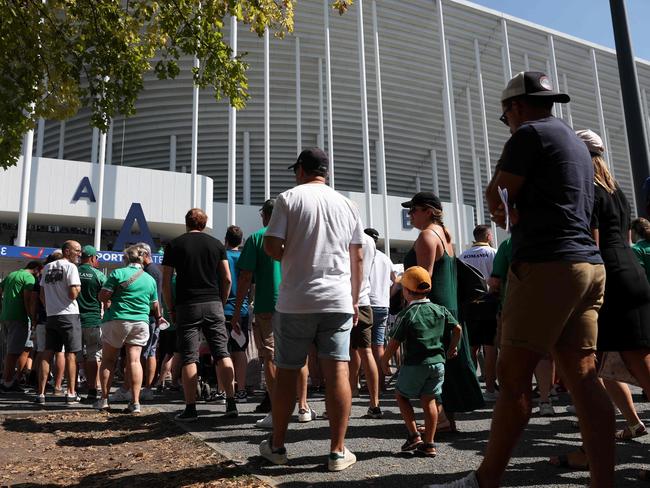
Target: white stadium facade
column 421, row 86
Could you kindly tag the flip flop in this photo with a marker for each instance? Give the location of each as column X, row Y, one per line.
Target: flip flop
column 628, row 434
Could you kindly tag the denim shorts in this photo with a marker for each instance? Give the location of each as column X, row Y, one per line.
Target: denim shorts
column 379, row 322
column 149, row 351
column 416, row 381
column 294, row 333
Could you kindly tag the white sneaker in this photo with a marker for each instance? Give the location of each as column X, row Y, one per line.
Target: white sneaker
column 468, row 481
column 338, row 461
column 306, row 415
column 101, row 404
column 132, row 408
column 546, row 409
column 146, row 395
column 276, row 456
column 490, row 396
column 121, row 395
column 265, row 423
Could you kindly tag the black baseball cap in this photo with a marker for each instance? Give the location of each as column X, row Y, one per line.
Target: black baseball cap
column 424, row 199
column 312, row 160
column 372, row 233
column 267, row 206
column 533, row 84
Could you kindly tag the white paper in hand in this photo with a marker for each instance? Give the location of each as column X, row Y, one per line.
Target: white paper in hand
column 240, row 338
column 163, row 324
column 503, row 194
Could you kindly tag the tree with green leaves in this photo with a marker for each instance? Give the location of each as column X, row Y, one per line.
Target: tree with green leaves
column 57, row 56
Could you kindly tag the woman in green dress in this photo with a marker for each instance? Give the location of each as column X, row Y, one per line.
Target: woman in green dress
column 434, row 252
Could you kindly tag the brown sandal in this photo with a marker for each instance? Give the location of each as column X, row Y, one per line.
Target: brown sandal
column 564, row 460
column 628, row 434
column 426, row 449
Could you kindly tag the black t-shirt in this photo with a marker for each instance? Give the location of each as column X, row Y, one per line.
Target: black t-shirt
column 612, row 218
column 557, row 198
column 195, row 256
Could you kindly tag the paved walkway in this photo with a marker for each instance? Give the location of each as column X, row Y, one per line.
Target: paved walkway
column 376, row 444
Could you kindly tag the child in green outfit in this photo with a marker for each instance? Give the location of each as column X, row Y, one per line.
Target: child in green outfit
column 421, row 327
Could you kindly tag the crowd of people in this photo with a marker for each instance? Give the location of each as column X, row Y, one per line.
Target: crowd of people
column 565, row 298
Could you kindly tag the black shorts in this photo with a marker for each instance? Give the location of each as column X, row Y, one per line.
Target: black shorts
column 232, row 343
column 167, row 343
column 194, row 318
column 63, row 331
column 361, row 335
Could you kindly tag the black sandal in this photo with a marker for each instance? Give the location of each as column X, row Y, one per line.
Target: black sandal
column 426, row 449
column 413, row 441
column 563, row 462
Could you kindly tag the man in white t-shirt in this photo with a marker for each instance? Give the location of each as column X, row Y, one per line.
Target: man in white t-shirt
column 381, row 280
column 60, row 286
column 317, row 235
column 361, row 337
column 481, row 254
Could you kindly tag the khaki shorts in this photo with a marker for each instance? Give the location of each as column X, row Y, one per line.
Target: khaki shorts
column 116, row 333
column 361, row 335
column 552, row 304
column 263, row 335
column 91, row 339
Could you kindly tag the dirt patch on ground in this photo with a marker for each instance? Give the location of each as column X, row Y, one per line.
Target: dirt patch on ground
column 89, row 449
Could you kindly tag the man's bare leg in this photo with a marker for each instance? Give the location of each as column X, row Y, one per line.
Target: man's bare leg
column 71, row 371
column 371, row 373
column 301, row 387
column 283, row 403
column 338, row 400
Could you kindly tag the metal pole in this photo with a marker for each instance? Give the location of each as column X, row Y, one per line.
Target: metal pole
column 505, row 51
column 93, row 146
column 435, row 182
column 247, row 168
column 28, row 146
column 298, row 104
column 195, row 139
column 267, row 117
column 526, row 62
column 361, row 45
column 484, row 126
column 109, row 143
column 40, row 138
column 555, row 105
column 565, row 87
column 554, row 73
column 449, row 127
column 100, row 191
column 599, row 104
column 321, row 110
column 61, row 152
column 647, row 114
column 232, row 136
column 172, row 153
column 638, row 146
column 328, row 84
column 418, row 184
column 627, row 146
column 380, row 150
column 478, row 189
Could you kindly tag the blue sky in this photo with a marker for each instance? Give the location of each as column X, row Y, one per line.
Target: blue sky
column 588, row 19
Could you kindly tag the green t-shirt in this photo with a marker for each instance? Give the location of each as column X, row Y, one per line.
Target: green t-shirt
column 134, row 302
column 266, row 272
column 501, row 265
column 642, row 251
column 90, row 308
column 421, row 327
column 13, row 287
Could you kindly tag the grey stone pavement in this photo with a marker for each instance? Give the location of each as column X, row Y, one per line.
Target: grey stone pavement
column 377, row 442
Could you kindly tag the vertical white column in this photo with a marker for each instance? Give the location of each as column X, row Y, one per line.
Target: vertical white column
column 247, row 168
column 484, row 125
column 61, row 139
column 232, row 136
column 526, row 62
column 450, row 130
column 418, row 184
column 40, row 138
column 28, row 147
column 554, row 73
column 478, row 188
column 505, row 51
column 565, row 88
column 361, row 45
column 627, row 146
column 109, row 143
column 267, row 116
column 647, row 113
column 328, row 87
column 123, row 139
column 435, row 181
column 599, row 104
column 100, row 191
column 93, row 146
column 380, row 150
column 195, row 140
column 172, row 153
column 320, row 142
column 298, row 103
column 555, row 105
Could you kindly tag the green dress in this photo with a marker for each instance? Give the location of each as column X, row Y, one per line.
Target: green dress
column 461, row 391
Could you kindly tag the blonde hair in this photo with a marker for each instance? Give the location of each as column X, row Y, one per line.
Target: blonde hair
column 602, row 175
column 135, row 254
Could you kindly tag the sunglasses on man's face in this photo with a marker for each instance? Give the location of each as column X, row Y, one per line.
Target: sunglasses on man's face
column 504, row 115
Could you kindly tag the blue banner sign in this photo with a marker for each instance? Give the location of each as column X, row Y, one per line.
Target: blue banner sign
column 40, row 253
